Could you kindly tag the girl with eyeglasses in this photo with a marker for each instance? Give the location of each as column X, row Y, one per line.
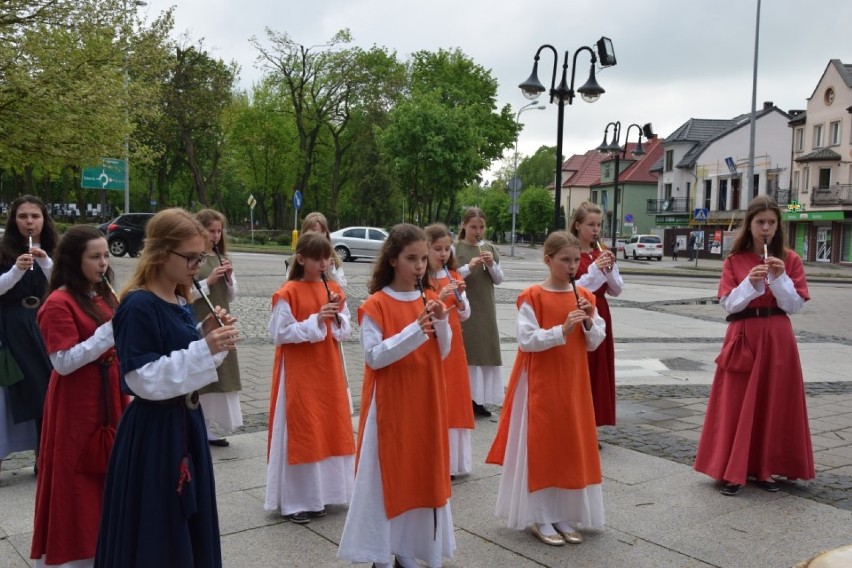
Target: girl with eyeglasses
column 160, row 496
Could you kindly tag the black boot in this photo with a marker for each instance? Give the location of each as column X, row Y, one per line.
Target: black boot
column 480, row 410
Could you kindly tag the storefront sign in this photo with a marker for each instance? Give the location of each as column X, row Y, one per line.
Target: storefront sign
column 812, row 215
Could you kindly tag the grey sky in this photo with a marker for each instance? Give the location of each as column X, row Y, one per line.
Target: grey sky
column 677, row 59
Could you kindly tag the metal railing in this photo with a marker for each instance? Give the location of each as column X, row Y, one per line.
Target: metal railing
column 671, row 205
column 832, row 195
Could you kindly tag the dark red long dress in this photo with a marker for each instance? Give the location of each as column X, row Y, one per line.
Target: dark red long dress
column 68, row 497
column 757, row 421
column 602, row 359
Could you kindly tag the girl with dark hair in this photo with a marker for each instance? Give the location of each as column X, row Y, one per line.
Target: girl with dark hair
column 83, row 403
column 756, row 424
column 479, row 265
column 400, row 504
column 598, row 272
column 450, row 286
column 220, row 400
column 546, row 441
column 160, row 495
column 25, row 267
column 311, row 456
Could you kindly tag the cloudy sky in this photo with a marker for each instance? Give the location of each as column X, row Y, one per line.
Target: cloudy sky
column 677, row 59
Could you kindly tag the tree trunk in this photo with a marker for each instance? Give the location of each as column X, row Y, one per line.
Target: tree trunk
column 195, row 169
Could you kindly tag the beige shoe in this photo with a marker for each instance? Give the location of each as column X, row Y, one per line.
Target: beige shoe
column 555, row 540
column 572, row 537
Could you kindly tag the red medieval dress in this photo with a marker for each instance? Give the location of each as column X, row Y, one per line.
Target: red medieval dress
column 757, row 422
column 602, row 359
column 68, row 494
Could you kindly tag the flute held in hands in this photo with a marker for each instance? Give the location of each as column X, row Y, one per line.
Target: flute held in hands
column 208, row 302
column 423, row 297
column 328, row 292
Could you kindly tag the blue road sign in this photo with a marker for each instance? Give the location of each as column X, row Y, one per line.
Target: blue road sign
column 297, row 200
column 628, row 218
column 701, row 214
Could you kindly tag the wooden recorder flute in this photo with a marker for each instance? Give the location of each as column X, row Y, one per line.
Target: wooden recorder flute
column 219, row 256
column 450, row 278
column 109, row 285
column 574, row 286
column 423, row 297
column 600, row 248
column 208, row 302
column 328, row 292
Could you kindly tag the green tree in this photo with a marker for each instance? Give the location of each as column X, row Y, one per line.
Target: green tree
column 446, row 132
column 535, row 211
column 495, row 205
column 538, row 170
column 262, row 155
column 196, row 97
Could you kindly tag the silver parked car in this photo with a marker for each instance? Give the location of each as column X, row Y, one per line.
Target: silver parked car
column 358, row 242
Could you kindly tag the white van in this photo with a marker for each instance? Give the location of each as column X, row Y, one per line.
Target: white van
column 649, row 246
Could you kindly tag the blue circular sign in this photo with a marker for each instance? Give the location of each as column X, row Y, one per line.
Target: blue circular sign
column 628, row 218
column 297, row 199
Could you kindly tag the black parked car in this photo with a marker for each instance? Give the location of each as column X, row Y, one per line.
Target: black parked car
column 104, row 227
column 126, row 233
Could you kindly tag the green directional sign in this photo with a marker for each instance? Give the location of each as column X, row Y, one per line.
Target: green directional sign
column 109, row 175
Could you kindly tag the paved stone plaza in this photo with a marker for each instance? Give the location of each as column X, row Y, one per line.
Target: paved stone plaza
column 659, row 511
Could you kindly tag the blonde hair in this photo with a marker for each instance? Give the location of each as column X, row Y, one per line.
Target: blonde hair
column 440, row 231
column 207, row 217
column 585, row 209
column 316, row 218
column 311, row 245
column 558, row 240
column 165, row 232
column 470, row 213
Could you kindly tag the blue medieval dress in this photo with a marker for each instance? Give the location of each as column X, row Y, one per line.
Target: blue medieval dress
column 22, row 404
column 160, row 495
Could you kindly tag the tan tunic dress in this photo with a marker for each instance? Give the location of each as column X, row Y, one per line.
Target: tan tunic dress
column 229, row 370
column 481, row 337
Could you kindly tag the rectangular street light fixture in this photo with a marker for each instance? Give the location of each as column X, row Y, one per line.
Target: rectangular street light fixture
column 606, row 53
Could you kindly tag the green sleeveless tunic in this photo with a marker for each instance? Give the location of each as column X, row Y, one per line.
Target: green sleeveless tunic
column 229, row 370
column 481, row 337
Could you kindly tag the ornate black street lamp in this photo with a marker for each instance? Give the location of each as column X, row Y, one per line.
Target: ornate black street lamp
column 564, row 94
column 614, row 149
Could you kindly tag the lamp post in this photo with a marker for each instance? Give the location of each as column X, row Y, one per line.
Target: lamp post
column 127, row 5
column 515, row 183
column 615, row 150
column 564, row 94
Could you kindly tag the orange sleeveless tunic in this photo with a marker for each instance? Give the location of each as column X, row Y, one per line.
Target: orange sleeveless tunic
column 317, row 407
column 562, row 440
column 456, row 374
column 411, row 413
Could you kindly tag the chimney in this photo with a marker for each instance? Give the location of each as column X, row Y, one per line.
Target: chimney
column 768, row 105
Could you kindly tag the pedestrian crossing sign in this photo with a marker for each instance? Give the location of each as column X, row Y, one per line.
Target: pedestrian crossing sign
column 700, row 214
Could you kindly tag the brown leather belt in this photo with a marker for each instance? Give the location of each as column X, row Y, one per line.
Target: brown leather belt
column 756, row 313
